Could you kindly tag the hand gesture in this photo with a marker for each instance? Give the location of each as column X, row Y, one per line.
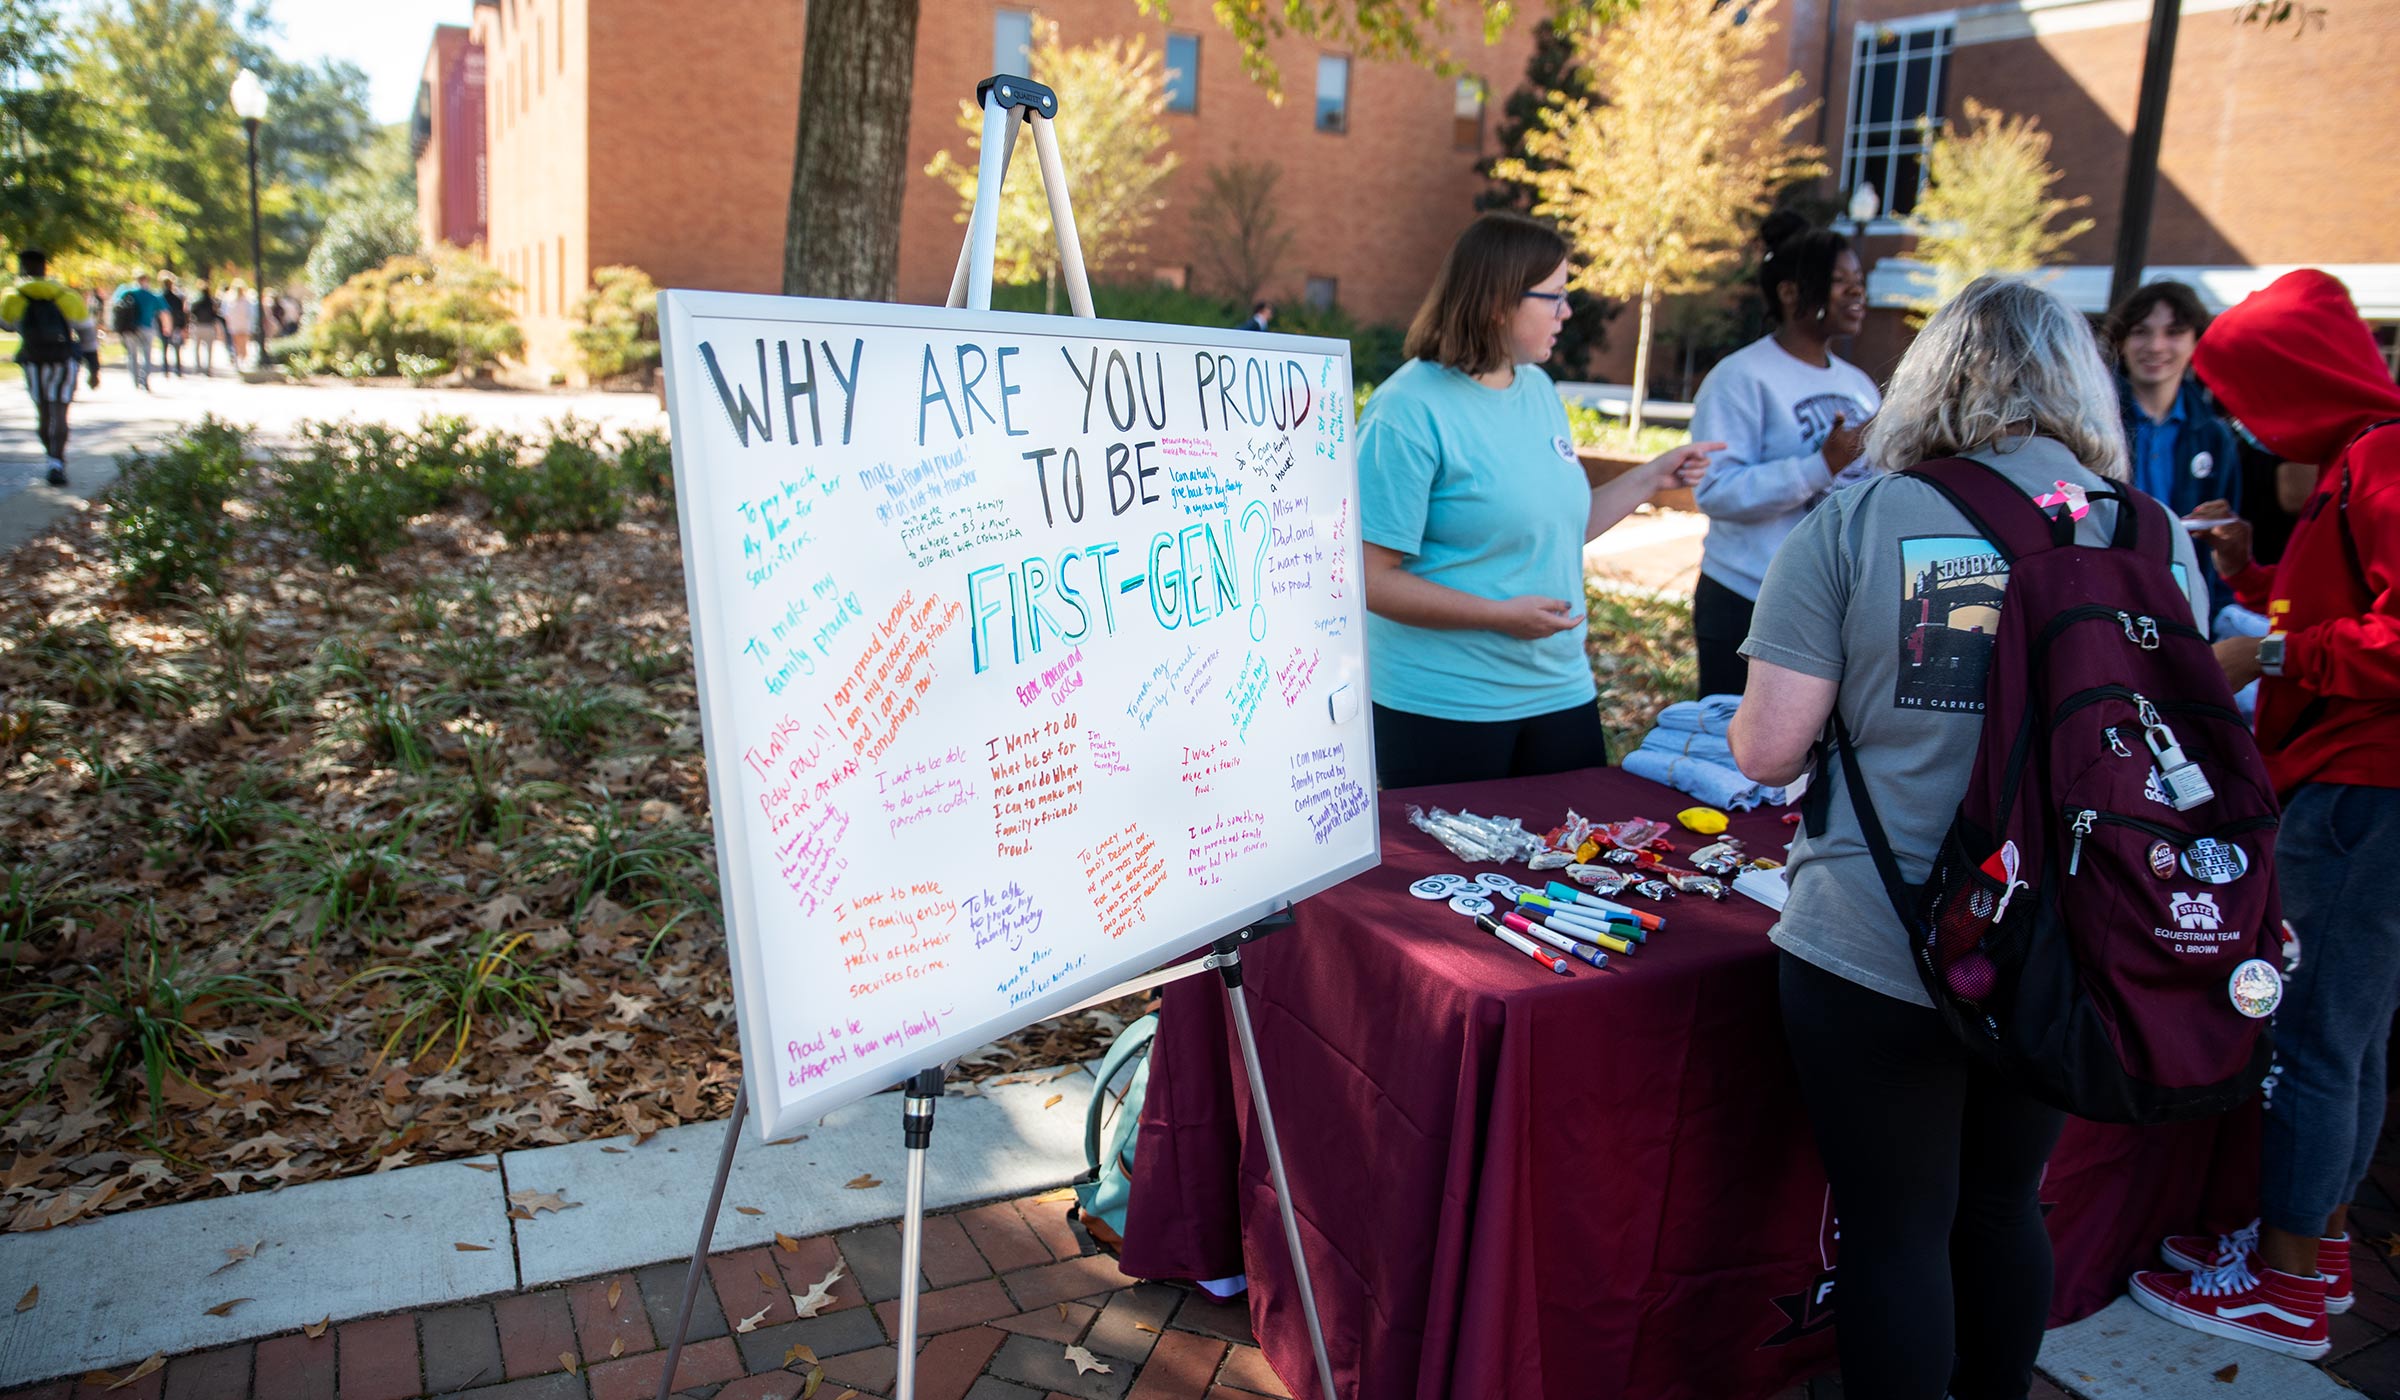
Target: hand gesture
column 2231, row 540
column 1843, row 445
column 1530, row 618
column 1679, row 466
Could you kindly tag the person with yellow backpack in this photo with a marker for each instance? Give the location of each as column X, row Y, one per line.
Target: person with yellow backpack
column 54, row 329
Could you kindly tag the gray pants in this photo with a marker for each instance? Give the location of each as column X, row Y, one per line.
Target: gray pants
column 2326, row 1110
column 137, row 355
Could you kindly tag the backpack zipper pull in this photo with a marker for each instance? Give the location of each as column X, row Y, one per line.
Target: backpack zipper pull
column 2082, row 828
column 2117, row 744
column 2148, row 640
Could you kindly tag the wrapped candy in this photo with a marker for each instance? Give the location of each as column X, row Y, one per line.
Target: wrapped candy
column 1723, row 859
column 1632, row 834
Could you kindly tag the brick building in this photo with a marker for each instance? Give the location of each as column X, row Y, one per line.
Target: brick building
column 626, row 131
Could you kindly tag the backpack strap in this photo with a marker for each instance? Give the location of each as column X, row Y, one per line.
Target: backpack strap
column 1131, row 1041
column 1899, row 891
column 2015, row 526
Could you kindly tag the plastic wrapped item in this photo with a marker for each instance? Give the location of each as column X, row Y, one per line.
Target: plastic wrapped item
column 1724, row 859
column 1632, row 834
column 1601, row 879
column 1692, row 882
column 1470, row 837
column 1547, row 859
column 1567, row 838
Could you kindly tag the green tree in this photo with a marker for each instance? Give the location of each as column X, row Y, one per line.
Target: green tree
column 1656, row 178
column 167, row 66
column 619, row 334
column 1116, row 90
column 1554, row 67
column 857, row 75
column 74, row 176
column 1987, row 206
column 374, row 216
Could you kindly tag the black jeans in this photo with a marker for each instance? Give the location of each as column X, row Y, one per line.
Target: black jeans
column 1936, row 1169
column 1721, row 623
column 1417, row 750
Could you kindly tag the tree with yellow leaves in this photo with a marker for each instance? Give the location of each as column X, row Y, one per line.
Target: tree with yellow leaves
column 1657, row 178
column 1987, row 206
column 1111, row 96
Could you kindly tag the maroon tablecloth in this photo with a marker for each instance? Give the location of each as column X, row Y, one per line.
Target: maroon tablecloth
column 1516, row 1184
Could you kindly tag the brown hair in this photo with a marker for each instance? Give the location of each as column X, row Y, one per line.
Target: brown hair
column 2182, row 303
column 1464, row 321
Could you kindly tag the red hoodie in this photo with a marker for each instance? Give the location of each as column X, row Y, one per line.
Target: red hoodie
column 2298, row 368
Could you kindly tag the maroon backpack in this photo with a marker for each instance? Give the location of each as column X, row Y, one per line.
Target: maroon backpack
column 2098, row 922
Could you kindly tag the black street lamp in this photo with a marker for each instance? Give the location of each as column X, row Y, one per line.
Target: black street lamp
column 250, row 104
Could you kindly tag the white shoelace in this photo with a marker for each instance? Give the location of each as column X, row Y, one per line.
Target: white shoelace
column 2241, row 1242
column 2232, row 1276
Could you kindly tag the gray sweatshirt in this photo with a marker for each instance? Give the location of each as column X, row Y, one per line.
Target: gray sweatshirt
column 1773, row 413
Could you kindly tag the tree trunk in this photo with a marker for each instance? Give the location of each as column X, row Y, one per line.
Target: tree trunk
column 856, row 72
column 1641, row 363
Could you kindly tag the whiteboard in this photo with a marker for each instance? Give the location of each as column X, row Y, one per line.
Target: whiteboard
column 1031, row 655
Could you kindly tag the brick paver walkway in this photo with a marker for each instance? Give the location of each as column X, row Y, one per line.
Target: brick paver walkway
column 1007, row 1288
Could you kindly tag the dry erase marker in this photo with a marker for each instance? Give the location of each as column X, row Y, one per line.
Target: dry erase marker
column 1596, row 921
column 1523, row 945
column 1585, row 934
column 1572, row 895
column 1561, row 942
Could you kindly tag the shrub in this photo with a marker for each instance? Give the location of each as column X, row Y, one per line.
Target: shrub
column 619, row 334
column 166, row 529
column 648, row 463
column 440, row 996
column 447, row 307
column 359, row 236
column 348, row 490
column 573, row 486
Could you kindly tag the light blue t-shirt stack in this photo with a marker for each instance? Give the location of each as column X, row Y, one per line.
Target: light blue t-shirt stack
column 1480, row 488
column 1688, row 751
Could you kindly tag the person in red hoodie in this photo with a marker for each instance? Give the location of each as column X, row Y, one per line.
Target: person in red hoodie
column 2298, row 368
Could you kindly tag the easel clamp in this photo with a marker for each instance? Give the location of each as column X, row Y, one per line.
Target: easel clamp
column 1017, row 92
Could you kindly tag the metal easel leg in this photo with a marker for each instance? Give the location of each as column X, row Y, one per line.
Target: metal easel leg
column 1228, row 960
column 708, row 1231
column 916, row 1131
column 986, row 178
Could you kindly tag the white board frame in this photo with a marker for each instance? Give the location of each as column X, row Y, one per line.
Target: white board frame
column 773, row 1114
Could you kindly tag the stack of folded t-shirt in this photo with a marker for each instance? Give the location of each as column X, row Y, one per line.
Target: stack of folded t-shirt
column 1687, row 751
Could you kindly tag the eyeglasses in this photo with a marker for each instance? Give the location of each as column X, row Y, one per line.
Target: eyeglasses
column 1554, row 298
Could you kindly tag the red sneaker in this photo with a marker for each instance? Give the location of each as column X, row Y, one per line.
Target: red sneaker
column 2269, row 1308
column 2192, row 1254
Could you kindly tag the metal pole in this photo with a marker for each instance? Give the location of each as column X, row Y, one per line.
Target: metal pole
column 1229, row 966
column 991, row 169
column 708, row 1231
column 966, row 250
column 916, row 1134
column 2141, row 158
column 1062, row 217
column 258, row 264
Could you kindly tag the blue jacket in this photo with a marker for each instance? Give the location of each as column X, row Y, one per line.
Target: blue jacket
column 2208, row 461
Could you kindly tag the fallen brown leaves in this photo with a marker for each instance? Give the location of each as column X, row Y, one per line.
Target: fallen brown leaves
column 642, row 1037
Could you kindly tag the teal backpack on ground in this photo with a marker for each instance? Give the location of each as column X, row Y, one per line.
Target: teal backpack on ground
column 1106, row 1185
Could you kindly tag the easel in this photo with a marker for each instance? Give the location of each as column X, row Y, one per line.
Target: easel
column 1009, row 102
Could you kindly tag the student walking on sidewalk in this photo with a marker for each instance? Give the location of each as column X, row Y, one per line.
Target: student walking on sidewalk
column 2299, row 369
column 53, row 326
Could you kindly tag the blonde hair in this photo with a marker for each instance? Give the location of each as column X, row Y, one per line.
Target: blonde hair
column 2004, row 359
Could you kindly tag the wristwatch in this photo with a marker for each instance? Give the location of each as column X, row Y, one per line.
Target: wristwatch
column 2270, row 653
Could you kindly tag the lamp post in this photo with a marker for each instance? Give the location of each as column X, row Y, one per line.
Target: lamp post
column 250, row 104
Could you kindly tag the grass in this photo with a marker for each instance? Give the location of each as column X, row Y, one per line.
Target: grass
column 1643, row 657
column 596, row 851
column 440, row 998
column 151, row 1006
column 328, row 878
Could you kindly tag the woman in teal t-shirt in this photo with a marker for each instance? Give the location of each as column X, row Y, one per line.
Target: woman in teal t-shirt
column 1474, row 515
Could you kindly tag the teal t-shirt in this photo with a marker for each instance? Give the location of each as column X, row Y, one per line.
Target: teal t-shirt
column 1480, row 488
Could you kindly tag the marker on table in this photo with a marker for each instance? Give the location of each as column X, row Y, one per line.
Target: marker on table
column 1523, row 945
column 1597, row 921
column 1612, row 940
column 1571, row 895
column 1561, row 942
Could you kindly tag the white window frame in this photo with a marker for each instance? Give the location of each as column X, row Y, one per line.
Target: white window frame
column 1856, row 165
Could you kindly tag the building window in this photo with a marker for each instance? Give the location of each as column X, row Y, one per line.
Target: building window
column 1321, row 292
column 1333, row 92
column 541, row 278
column 562, row 274
column 1466, row 115
column 1183, row 72
column 1012, row 42
column 541, row 80
column 1896, row 77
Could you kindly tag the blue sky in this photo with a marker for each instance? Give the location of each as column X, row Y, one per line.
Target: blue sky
column 387, row 38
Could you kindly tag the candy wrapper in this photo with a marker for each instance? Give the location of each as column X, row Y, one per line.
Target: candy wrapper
column 1470, row 837
column 1724, row 859
column 1691, row 882
column 1632, row 834
column 1600, row 879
